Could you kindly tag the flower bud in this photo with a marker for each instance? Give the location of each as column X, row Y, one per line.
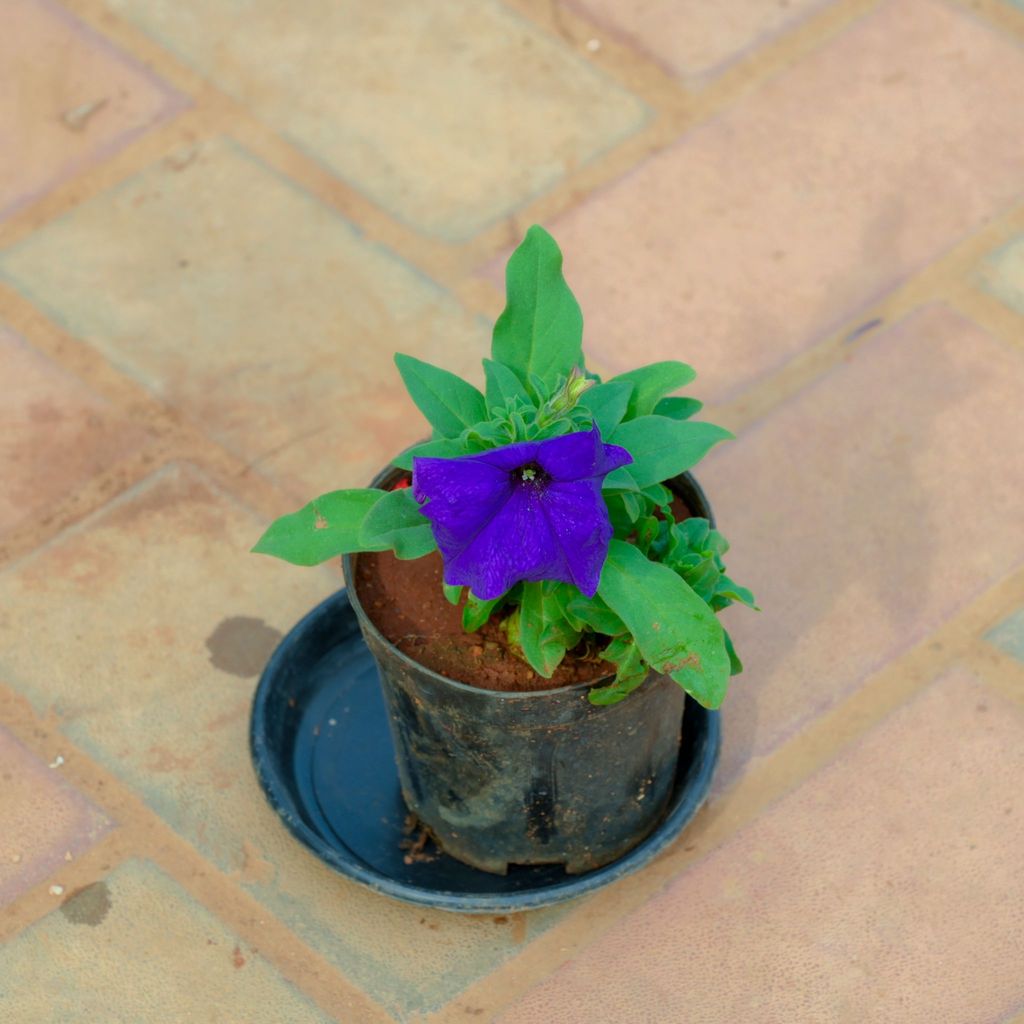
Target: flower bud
column 576, row 385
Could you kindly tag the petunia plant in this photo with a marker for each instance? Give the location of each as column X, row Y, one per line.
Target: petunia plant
column 546, row 497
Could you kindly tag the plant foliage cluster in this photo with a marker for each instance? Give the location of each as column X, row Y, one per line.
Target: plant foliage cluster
column 663, row 582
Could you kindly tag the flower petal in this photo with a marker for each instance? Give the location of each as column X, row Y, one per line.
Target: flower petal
column 517, row 544
column 462, row 496
column 496, row 529
column 580, row 456
column 510, row 456
column 578, row 518
column 456, row 480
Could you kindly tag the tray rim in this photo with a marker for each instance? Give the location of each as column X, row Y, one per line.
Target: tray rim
column 684, row 805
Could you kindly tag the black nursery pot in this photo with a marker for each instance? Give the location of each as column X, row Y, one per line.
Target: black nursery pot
column 542, row 777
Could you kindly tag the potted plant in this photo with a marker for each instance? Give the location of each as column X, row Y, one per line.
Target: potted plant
column 539, row 585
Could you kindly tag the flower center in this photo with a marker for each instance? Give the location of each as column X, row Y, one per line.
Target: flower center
column 531, row 474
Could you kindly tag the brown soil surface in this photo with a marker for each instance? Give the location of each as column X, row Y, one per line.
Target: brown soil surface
column 405, row 602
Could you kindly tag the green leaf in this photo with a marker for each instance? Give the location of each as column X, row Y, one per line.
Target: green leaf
column 735, row 665
column 537, row 613
column 686, row 560
column 559, row 625
column 540, row 387
column 396, row 522
column 664, row 448
column 448, row 402
column 597, row 615
column 660, row 495
column 476, row 612
column 443, row 448
column 452, row 594
column 504, row 388
column 518, row 422
column 695, row 531
column 734, row 592
column 653, row 382
column 556, row 429
column 482, row 437
column 325, row 528
column 703, row 577
column 607, row 404
column 620, row 480
column 564, row 595
column 717, row 543
column 660, row 541
column 689, row 537
column 540, row 333
column 646, row 532
column 678, row 408
column 529, row 631
column 676, row 631
column 632, row 505
column 631, row 671
column 488, row 430
column 473, row 442
column 623, row 511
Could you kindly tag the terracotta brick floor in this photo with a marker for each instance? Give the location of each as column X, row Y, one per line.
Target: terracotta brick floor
column 217, row 221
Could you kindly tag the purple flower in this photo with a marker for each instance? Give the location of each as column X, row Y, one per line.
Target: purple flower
column 529, row 511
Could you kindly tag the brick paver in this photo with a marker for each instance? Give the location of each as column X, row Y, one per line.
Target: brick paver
column 197, row 333
column 1009, row 635
column 96, row 600
column 44, row 821
column 1003, row 274
column 691, row 38
column 178, row 734
column 53, row 125
column 887, row 889
column 760, row 230
column 447, row 137
column 135, row 948
column 264, row 315
column 54, row 433
column 885, row 453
